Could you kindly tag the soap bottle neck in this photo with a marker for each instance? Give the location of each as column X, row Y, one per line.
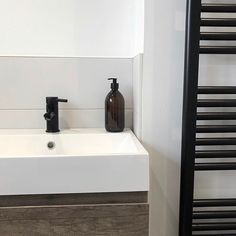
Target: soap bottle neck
column 114, row 89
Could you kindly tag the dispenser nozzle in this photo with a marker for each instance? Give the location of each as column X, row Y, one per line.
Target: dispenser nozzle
column 114, row 84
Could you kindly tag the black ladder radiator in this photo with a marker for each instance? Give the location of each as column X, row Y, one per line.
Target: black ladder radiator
column 206, row 216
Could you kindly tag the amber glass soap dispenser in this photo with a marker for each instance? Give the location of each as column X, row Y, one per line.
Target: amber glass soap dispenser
column 114, row 109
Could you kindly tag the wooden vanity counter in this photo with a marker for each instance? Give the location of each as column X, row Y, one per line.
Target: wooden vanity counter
column 93, row 214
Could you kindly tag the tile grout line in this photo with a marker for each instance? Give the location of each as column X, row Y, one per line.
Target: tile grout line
column 68, row 109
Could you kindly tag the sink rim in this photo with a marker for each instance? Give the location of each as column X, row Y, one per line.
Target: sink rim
column 141, row 151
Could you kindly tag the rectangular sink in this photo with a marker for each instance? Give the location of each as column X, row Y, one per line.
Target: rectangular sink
column 72, row 161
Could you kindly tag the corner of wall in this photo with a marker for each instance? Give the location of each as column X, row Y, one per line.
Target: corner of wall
column 137, row 94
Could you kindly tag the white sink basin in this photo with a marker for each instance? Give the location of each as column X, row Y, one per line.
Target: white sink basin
column 81, row 161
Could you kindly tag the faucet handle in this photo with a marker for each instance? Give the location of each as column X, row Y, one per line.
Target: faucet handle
column 62, row 100
column 49, row 116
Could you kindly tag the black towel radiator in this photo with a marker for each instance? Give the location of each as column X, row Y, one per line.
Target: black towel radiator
column 197, row 215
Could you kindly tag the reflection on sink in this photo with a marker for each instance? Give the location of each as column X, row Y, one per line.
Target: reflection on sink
column 73, row 161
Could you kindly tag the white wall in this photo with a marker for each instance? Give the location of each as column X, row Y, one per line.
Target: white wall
column 25, row 82
column 162, row 112
column 58, row 48
column 82, row 28
column 162, row 109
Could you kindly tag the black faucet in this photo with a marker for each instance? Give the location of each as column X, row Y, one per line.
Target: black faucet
column 51, row 116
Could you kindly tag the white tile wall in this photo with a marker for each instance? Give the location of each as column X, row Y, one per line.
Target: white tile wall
column 25, row 82
column 33, row 119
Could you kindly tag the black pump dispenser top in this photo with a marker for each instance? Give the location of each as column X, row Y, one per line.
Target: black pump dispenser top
column 114, row 84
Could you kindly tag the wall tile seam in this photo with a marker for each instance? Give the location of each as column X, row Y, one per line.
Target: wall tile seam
column 68, row 109
column 68, row 57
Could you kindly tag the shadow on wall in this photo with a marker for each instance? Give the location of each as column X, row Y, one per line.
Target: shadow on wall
column 163, row 195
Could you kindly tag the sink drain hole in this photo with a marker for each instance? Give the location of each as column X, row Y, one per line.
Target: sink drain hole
column 51, row 145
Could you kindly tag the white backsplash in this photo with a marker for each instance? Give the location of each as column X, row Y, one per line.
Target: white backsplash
column 26, row 81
